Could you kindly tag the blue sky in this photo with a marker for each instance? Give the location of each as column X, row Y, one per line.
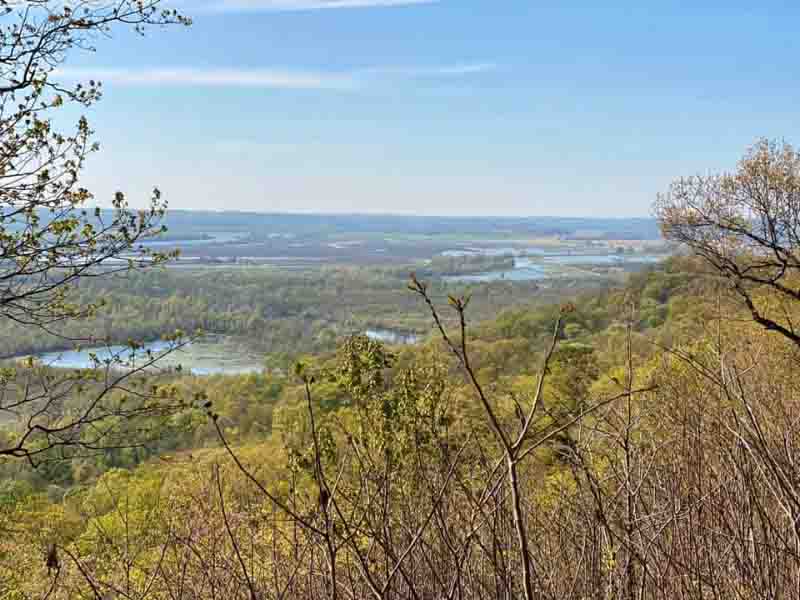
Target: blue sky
column 502, row 107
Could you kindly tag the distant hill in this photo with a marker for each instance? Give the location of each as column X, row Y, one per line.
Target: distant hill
column 190, row 223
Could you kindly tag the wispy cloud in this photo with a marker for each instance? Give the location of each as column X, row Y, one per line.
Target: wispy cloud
column 303, row 5
column 429, row 71
column 257, row 78
column 271, row 78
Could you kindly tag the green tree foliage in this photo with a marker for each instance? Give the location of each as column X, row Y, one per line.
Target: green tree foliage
column 50, row 239
column 746, row 227
column 394, row 443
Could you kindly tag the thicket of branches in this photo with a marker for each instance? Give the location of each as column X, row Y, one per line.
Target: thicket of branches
column 671, row 476
column 746, row 226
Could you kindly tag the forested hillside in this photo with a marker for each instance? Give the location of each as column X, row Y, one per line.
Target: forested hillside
column 399, row 439
column 501, row 348
column 274, row 311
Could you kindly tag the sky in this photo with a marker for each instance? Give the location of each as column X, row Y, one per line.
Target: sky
column 448, row 107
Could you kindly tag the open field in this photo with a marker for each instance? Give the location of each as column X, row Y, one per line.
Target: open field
column 305, row 240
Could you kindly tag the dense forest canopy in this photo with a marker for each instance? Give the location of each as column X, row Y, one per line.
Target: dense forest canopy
column 414, row 423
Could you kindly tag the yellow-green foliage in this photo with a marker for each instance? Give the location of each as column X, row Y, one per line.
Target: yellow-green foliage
column 388, row 424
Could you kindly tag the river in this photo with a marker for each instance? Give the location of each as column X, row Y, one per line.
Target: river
column 390, row 336
column 543, row 266
column 215, row 356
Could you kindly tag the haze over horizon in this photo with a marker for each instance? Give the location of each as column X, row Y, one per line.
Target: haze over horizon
column 397, row 214
column 441, row 108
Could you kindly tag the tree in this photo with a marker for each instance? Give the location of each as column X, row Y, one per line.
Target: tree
column 746, row 226
column 50, row 240
column 529, row 434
